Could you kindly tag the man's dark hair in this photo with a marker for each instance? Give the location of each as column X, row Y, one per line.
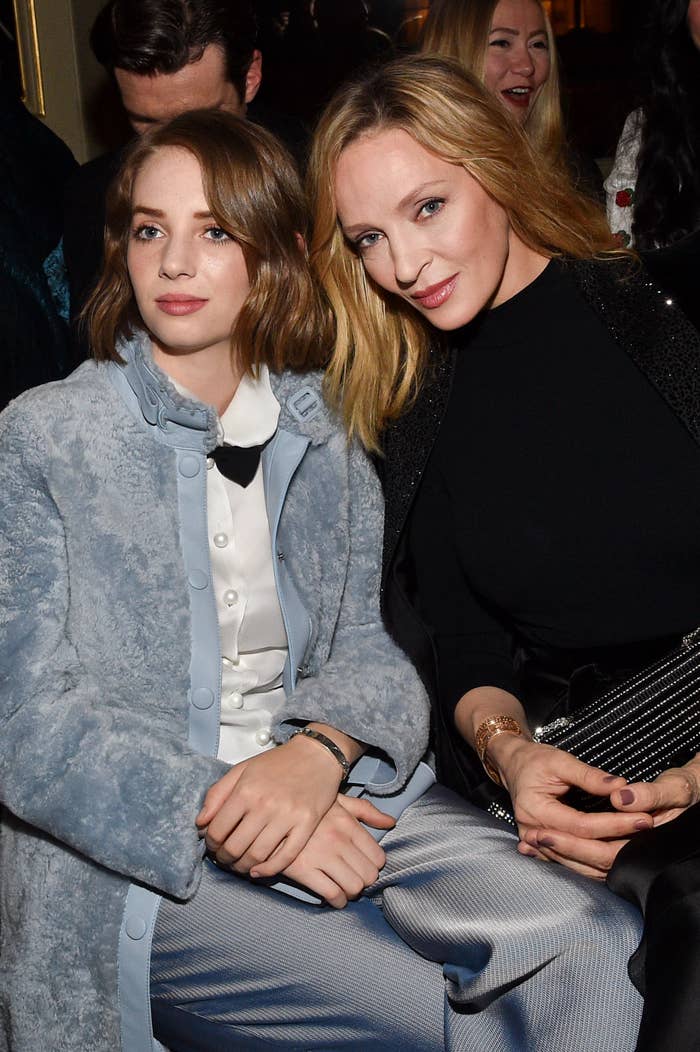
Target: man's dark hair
column 163, row 36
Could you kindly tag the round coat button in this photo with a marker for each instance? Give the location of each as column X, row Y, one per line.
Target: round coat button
column 230, row 597
column 220, row 540
column 262, row 737
column 235, row 700
column 202, row 698
column 188, row 466
column 136, row 927
column 198, row 579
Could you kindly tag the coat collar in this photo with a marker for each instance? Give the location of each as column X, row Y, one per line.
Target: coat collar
column 182, row 421
column 303, row 410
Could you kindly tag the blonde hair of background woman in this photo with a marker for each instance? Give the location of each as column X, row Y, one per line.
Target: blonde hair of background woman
column 459, row 29
column 381, row 346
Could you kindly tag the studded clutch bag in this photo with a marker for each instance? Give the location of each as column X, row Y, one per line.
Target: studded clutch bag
column 637, row 729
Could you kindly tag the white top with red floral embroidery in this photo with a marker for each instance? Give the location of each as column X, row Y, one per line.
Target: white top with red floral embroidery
column 620, row 184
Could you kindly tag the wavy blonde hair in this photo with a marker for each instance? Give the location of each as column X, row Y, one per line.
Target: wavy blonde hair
column 459, row 29
column 381, row 347
column 253, row 190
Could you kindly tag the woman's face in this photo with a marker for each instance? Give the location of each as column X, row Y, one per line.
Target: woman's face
column 694, row 22
column 189, row 276
column 425, row 230
column 517, row 56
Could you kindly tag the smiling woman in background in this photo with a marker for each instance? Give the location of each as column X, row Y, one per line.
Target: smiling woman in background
column 509, row 45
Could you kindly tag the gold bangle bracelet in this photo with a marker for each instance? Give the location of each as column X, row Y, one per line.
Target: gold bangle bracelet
column 490, row 728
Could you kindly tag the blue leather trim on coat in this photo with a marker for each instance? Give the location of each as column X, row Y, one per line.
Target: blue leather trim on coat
column 186, row 421
column 419, row 782
column 141, row 908
column 280, row 459
column 134, row 961
column 372, row 770
column 205, row 660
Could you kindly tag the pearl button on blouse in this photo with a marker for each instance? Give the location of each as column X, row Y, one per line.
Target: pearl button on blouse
column 251, row 627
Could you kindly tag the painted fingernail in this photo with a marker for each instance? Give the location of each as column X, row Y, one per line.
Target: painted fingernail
column 627, row 796
column 642, row 824
column 528, row 852
column 545, row 841
column 612, row 778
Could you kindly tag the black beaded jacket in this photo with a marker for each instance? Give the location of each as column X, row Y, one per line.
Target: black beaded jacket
column 666, row 348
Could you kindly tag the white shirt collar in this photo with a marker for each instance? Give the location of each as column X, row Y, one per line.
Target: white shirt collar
column 252, row 414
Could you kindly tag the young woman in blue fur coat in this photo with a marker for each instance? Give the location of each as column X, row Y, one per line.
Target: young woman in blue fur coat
column 189, row 567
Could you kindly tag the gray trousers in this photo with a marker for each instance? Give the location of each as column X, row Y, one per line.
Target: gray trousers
column 462, row 944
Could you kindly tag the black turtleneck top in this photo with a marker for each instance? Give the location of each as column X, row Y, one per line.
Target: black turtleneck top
column 561, row 502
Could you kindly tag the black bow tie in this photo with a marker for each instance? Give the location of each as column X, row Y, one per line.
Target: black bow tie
column 238, row 463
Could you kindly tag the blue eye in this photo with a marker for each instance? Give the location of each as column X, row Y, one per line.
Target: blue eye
column 217, row 233
column 147, row 232
column 367, row 241
column 431, row 207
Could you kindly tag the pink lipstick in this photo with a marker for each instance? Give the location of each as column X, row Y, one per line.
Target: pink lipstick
column 178, row 304
column 435, row 295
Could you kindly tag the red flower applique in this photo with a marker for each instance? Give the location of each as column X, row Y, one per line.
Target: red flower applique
column 622, row 238
column 624, row 198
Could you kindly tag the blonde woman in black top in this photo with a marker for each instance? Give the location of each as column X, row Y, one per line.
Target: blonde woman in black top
column 537, row 400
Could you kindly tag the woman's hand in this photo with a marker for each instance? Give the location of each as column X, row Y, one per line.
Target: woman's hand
column 663, row 800
column 263, row 811
column 537, row 776
column 666, row 797
column 341, row 858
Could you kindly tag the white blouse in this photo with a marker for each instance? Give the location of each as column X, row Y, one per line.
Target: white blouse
column 253, row 637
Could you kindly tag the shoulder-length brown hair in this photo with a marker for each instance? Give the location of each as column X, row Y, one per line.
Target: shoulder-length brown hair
column 459, row 29
column 253, row 191
column 381, row 343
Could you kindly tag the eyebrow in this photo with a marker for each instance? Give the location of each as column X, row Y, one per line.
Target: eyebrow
column 516, row 32
column 141, row 118
column 157, row 213
column 432, row 186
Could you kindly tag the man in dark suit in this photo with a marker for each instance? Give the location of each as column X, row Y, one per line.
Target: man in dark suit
column 166, row 57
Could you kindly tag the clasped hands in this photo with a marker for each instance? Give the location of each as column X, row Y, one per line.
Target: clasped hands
column 537, row 777
column 280, row 813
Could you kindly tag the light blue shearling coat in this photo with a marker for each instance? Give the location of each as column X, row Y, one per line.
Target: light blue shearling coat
column 110, row 665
